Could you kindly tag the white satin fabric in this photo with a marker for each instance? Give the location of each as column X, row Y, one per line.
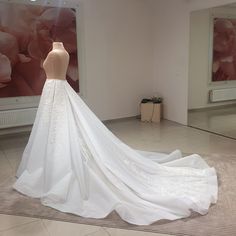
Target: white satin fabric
column 73, row 163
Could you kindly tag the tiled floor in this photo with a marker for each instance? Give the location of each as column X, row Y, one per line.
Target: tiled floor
column 166, row 136
column 221, row 120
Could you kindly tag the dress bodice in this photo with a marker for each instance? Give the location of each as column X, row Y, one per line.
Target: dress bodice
column 56, row 64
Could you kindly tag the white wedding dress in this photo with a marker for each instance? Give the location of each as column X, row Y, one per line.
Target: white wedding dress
column 73, row 163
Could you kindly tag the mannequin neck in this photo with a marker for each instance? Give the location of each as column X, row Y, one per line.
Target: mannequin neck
column 58, row 45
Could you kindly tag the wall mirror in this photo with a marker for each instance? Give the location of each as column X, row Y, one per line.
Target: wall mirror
column 212, row 70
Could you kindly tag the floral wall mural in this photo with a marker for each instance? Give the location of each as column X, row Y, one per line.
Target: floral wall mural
column 26, row 36
column 224, row 49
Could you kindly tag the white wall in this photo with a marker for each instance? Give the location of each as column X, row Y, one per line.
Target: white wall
column 121, row 62
column 171, row 47
column 204, row 4
column 143, row 48
column 134, row 47
column 199, row 86
column 117, row 38
column 171, row 34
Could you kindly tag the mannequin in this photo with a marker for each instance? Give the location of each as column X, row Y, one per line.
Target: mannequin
column 56, row 62
column 74, row 163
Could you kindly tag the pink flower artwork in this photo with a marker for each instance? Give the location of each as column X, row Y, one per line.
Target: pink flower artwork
column 224, row 50
column 26, row 36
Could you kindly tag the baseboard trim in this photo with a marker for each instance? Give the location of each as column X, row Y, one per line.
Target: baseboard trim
column 212, row 108
column 121, row 119
column 15, row 130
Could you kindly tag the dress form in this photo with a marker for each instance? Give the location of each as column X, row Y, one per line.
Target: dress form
column 75, row 164
column 56, row 62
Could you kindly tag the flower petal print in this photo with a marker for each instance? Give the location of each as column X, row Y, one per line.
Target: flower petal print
column 5, row 70
column 53, row 25
column 23, row 58
column 9, row 46
column 33, row 74
column 67, row 36
column 61, row 18
column 26, row 36
column 20, row 21
column 224, row 50
column 72, row 70
column 224, row 36
column 38, row 49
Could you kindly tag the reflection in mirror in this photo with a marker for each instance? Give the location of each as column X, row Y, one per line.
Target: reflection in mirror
column 212, row 70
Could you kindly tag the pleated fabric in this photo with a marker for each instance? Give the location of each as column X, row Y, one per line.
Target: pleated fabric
column 75, row 164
